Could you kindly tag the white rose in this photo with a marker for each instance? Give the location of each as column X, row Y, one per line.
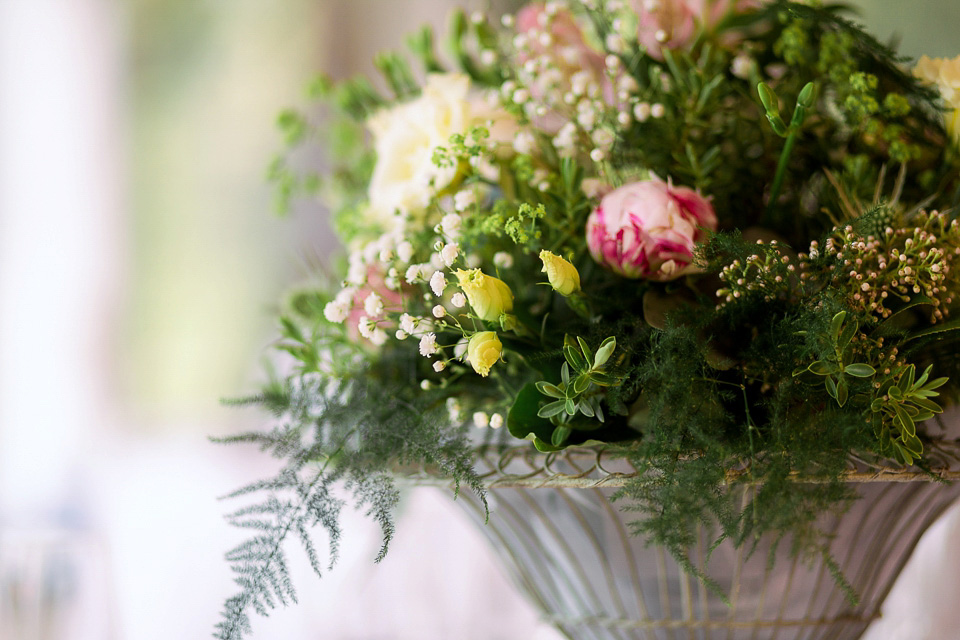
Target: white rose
column 405, row 136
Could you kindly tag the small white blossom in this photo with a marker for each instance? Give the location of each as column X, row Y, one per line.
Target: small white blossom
column 524, row 142
column 425, row 385
column 503, row 260
column 460, row 350
column 439, row 311
column 450, row 224
column 366, row 326
column 474, row 260
column 463, row 200
column 336, row 312
column 449, row 254
column 436, row 262
column 657, row 110
column 405, row 251
column 428, row 345
column 401, row 334
column 379, row 337
column 414, row 273
column 408, row 323
column 439, row 366
column 496, row 421
column 438, row 282
column 454, row 410
column 481, row 419
column 566, row 138
column 488, row 57
column 459, row 300
column 373, row 305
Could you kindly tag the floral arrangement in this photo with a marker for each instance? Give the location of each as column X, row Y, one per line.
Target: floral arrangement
column 717, row 238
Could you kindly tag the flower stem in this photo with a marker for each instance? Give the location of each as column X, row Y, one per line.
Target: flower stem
column 781, row 173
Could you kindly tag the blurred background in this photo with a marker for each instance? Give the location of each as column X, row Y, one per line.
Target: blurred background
column 139, row 265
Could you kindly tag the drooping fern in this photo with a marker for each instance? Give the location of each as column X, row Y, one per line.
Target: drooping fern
column 330, row 434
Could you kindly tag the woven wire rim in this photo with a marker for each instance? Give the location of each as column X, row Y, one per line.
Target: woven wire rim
column 606, row 467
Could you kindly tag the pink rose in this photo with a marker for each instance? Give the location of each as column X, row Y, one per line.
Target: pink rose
column 671, row 24
column 648, row 229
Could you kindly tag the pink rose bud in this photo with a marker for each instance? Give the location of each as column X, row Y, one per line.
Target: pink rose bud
column 648, row 229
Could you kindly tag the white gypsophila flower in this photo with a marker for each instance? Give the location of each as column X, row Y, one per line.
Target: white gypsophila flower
column 439, row 366
column 459, row 300
column 502, row 260
column 408, row 323
column 454, row 410
column 428, row 345
column 425, row 385
column 401, row 334
column 460, row 349
column 335, row 312
column 414, row 273
column 525, row 143
column 373, row 305
column 450, row 224
column 379, row 337
column 658, row 110
column 463, row 200
column 438, row 282
column 439, row 311
column 449, row 254
column 473, row 260
column 436, row 262
column 366, row 326
column 481, row 419
column 405, row 251
column 357, row 270
column 566, row 138
column 496, row 421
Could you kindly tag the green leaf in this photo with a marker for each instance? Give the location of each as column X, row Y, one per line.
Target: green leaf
column 929, row 405
column 842, row 392
column 570, row 407
column 552, row 409
column 571, row 351
column 586, row 408
column 587, row 353
column 291, row 330
column 907, row 425
column 847, row 335
column 836, row 324
column 604, row 379
column 523, row 420
column 859, row 370
column 923, row 378
column 901, row 454
column 604, row 352
column 560, row 435
column 565, row 374
column 550, row 390
column 940, row 327
column 913, row 445
column 823, row 368
column 581, row 383
column 895, row 394
column 831, row 387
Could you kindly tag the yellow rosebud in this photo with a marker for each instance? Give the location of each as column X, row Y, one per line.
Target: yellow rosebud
column 563, row 276
column 488, row 296
column 483, row 351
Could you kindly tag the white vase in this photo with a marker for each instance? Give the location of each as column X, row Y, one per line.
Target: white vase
column 569, row 549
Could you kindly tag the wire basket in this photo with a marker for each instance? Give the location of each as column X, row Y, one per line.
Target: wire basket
column 569, row 549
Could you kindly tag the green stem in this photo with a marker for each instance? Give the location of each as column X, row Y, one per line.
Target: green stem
column 781, row 173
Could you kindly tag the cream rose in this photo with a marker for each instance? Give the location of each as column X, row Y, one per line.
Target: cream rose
column 563, row 276
column 405, row 177
column 489, row 297
column 483, row 351
column 946, row 75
